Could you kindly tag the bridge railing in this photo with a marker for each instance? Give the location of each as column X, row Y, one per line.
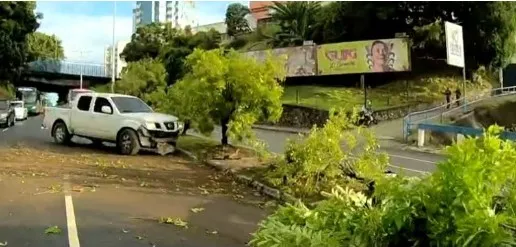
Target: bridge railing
column 69, row 68
column 459, row 131
column 438, row 113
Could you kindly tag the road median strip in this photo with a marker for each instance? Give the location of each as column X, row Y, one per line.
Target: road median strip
column 244, row 179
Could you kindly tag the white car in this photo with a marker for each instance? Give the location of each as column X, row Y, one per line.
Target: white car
column 122, row 119
column 20, row 111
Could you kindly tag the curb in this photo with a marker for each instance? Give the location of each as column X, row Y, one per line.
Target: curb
column 424, row 150
column 305, row 131
column 281, row 129
column 262, row 188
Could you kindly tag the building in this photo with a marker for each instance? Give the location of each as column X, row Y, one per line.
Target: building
column 176, row 12
column 260, row 10
column 119, row 62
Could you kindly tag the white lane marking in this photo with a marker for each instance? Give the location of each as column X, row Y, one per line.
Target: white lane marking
column 408, row 169
column 410, row 158
column 73, row 237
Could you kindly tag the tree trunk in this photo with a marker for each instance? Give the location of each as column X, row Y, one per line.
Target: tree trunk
column 224, row 124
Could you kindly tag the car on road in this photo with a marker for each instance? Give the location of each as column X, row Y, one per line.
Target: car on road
column 20, row 111
column 124, row 120
column 7, row 115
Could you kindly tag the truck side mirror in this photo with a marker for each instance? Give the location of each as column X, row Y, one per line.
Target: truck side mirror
column 106, row 109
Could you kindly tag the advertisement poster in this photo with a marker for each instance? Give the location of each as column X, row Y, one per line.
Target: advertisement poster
column 301, row 61
column 371, row 56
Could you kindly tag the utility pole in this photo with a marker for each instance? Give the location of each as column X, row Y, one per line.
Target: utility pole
column 113, row 51
column 81, row 55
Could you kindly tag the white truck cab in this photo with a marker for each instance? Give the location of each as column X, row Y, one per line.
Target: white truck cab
column 122, row 119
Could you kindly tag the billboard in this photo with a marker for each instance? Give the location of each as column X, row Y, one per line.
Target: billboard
column 454, row 44
column 300, row 62
column 371, row 56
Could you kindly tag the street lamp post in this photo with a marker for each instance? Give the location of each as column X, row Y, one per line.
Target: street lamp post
column 81, row 55
column 113, row 51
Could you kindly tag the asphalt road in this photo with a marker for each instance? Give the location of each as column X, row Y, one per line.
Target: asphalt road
column 117, row 215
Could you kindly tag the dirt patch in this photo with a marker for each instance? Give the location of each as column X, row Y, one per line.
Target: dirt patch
column 171, row 174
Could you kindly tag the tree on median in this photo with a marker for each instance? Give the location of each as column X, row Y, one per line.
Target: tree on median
column 228, row 89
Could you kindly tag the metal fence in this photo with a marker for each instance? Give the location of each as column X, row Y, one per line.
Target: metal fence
column 70, row 68
column 437, row 114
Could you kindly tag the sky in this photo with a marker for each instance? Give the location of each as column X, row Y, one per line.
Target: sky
column 86, row 28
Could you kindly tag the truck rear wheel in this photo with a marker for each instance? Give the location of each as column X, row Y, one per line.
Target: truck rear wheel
column 61, row 134
column 127, row 142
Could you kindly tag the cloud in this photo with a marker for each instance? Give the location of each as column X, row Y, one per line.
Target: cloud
column 80, row 32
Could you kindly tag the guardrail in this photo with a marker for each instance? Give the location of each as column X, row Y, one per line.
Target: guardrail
column 460, row 131
column 412, row 119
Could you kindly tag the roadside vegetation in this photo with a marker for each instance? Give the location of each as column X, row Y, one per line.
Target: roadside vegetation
column 468, row 201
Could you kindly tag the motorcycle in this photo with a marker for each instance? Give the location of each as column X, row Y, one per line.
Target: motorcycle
column 367, row 119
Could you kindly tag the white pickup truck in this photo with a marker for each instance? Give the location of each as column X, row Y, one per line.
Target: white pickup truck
column 122, row 119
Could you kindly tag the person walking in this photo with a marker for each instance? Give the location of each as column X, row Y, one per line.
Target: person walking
column 448, row 94
column 458, row 94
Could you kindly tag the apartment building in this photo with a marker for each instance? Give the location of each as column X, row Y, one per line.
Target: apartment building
column 179, row 13
column 119, row 62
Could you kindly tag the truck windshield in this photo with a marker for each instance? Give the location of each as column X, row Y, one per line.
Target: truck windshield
column 3, row 105
column 130, row 105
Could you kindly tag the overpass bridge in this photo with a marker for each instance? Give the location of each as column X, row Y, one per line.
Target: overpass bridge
column 60, row 76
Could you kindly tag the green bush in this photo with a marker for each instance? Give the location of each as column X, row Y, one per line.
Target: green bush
column 318, row 162
column 468, row 201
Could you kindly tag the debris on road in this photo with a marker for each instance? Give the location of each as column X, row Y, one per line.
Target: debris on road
column 53, row 230
column 3, row 243
column 196, row 210
column 212, row 232
column 175, row 221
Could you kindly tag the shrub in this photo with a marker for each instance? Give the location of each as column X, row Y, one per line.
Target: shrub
column 318, row 161
column 468, row 201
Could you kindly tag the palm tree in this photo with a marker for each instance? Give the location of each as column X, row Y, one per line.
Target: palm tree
column 296, row 20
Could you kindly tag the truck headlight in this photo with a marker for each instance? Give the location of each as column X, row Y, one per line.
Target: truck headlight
column 152, row 126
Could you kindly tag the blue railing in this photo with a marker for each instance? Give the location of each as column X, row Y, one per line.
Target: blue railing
column 466, row 131
column 437, row 114
column 69, row 68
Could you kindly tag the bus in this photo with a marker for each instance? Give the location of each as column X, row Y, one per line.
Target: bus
column 31, row 97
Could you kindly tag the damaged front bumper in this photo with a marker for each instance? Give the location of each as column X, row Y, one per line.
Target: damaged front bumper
column 158, row 141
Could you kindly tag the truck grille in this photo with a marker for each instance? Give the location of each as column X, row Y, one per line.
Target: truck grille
column 170, row 125
column 162, row 134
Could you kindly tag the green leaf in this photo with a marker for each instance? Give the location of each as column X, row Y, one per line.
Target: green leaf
column 53, row 230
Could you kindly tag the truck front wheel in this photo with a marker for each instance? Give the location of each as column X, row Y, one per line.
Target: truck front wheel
column 127, row 142
column 60, row 133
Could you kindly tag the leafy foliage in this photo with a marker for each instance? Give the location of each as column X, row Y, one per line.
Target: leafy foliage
column 296, row 20
column 148, row 41
column 17, row 21
column 235, row 19
column 468, row 201
column 182, row 45
column 318, row 162
column 43, row 46
column 227, row 88
column 142, row 79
